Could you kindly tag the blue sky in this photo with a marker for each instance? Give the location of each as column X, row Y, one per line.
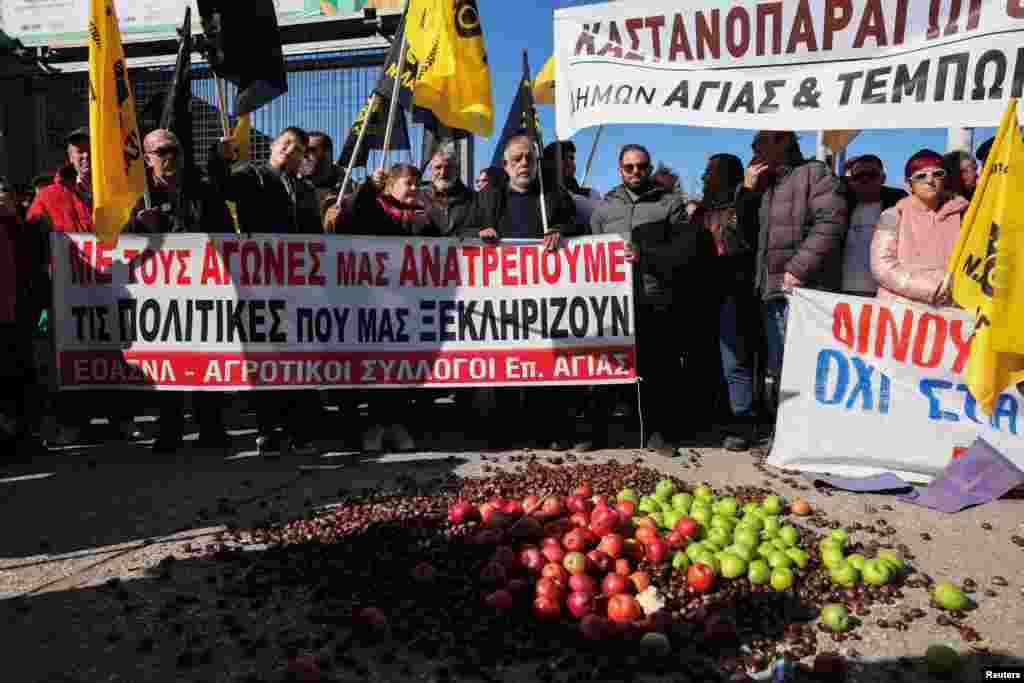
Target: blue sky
column 511, row 26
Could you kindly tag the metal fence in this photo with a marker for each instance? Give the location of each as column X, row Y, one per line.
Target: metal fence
column 325, row 92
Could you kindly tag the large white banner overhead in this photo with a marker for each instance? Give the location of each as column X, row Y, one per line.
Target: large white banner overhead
column 793, row 65
column 871, row 386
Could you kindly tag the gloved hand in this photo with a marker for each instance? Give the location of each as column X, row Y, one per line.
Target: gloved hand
column 43, row 326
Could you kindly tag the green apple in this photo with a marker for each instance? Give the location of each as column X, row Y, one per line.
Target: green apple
column 665, row 487
column 672, row 518
column 830, row 543
column 733, row 567
column 695, row 549
column 876, row 572
column 745, row 536
column 949, row 596
column 648, row 505
column 723, row 522
column 766, row 549
column 840, row 535
column 680, row 561
column 782, row 578
column 659, row 518
column 682, row 502
column 754, row 522
column 799, row 557
column 780, row 544
column 772, row 505
column 858, row 561
column 835, row 617
column 943, row 661
column 832, row 556
column 741, row 551
column 772, row 525
column 750, row 508
column 789, row 534
column 703, row 491
column 894, row 561
column 700, row 514
column 845, row 574
column 777, row 559
column 708, row 558
column 759, row 573
column 727, row 506
column 719, row 537
column 627, row 494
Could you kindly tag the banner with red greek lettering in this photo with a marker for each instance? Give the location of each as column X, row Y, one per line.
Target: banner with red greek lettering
column 219, row 312
column 793, row 65
column 871, row 386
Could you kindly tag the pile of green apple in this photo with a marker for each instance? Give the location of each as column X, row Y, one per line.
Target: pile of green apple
column 733, row 541
column 849, row 570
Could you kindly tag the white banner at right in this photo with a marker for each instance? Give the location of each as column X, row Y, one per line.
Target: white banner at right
column 794, row 65
column 871, row 386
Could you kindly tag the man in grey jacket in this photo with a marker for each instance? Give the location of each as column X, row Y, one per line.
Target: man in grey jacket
column 666, row 250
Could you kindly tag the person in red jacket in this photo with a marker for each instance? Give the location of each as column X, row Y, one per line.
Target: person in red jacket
column 66, row 206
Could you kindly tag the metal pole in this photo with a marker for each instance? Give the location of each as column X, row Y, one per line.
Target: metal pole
column 540, row 175
column 370, row 108
column 222, row 100
column 593, row 151
column 395, row 87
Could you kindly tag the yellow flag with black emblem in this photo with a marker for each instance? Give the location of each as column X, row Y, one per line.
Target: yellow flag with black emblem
column 987, row 268
column 453, row 80
column 544, row 83
column 118, row 174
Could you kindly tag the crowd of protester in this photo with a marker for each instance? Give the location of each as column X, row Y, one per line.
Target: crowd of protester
column 714, row 273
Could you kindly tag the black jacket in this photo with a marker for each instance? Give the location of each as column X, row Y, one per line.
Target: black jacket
column 201, row 210
column 264, row 205
column 489, row 212
column 451, row 214
column 890, row 195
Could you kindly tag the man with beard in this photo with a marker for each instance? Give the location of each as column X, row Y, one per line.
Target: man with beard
column 449, row 201
column 317, row 167
column 671, row 255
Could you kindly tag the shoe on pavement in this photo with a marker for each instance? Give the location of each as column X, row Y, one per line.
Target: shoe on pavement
column 373, row 439
column 268, row 446
column 736, row 443
column 403, row 440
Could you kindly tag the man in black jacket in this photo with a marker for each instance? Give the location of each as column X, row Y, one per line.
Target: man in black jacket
column 318, row 167
column 449, row 201
column 867, row 196
column 181, row 202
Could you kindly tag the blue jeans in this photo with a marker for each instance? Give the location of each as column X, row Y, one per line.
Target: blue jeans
column 776, row 316
column 737, row 348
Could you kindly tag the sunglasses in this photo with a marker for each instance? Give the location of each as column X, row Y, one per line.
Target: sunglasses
column 922, row 176
column 164, row 152
column 638, row 168
column 865, row 176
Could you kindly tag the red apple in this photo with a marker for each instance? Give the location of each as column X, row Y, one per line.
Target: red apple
column 551, row 507
column 531, row 504
column 641, row 581
column 625, row 508
column 461, row 512
column 580, row 604
column 499, row 502
column 604, row 521
column 532, row 560
column 304, row 669
column 675, row 540
column 486, row 511
column 575, row 563
column 600, row 501
column 584, row 490
column 624, row 609
column 594, row 627
column 583, row 583
column 700, row 577
column 576, row 504
column 553, row 553
column 372, row 617
column 557, row 528
column 634, row 549
column 518, row 586
column 424, row 573
column 547, row 609
column 513, row 507
column 494, row 574
column 551, row 540
column 549, row 588
column 488, row 537
column 601, row 561
column 622, row 567
column 613, row 584
column 647, row 535
column 499, row 599
column 580, row 520
column 575, row 541
column 687, row 527
column 556, row 572
column 657, row 551
column 646, row 521
column 611, row 545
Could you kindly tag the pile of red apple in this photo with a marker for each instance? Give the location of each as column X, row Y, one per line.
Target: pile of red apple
column 575, row 555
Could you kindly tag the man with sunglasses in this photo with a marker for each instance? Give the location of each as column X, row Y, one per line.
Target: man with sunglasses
column 868, row 197
column 666, row 249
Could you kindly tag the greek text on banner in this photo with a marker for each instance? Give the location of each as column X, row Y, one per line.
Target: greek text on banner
column 199, row 312
column 794, row 65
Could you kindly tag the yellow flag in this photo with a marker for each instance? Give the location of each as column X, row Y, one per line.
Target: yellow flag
column 446, row 42
column 118, row 174
column 544, row 83
column 987, row 268
column 242, row 136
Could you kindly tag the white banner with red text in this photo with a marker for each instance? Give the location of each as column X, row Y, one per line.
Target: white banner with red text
column 871, row 386
column 228, row 312
column 793, row 65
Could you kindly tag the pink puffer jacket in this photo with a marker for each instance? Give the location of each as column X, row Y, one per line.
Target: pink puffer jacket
column 912, row 246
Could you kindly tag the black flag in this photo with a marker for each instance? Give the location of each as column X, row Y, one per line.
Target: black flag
column 245, row 48
column 176, row 115
column 522, row 117
column 375, row 131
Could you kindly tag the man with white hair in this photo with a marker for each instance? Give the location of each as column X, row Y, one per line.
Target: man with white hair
column 449, row 201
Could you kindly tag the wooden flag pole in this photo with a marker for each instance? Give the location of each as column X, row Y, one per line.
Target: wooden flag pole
column 222, row 100
column 593, row 151
column 396, row 86
column 371, row 107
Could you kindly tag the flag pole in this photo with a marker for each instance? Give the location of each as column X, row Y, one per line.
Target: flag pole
column 532, row 114
column 222, row 100
column 395, row 88
column 593, row 151
column 371, row 107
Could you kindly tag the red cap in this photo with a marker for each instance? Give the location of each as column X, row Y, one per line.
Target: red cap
column 926, row 158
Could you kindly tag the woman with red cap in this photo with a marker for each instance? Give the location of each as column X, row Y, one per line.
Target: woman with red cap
column 915, row 239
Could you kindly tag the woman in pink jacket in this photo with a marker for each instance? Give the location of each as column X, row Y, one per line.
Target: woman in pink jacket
column 914, row 239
